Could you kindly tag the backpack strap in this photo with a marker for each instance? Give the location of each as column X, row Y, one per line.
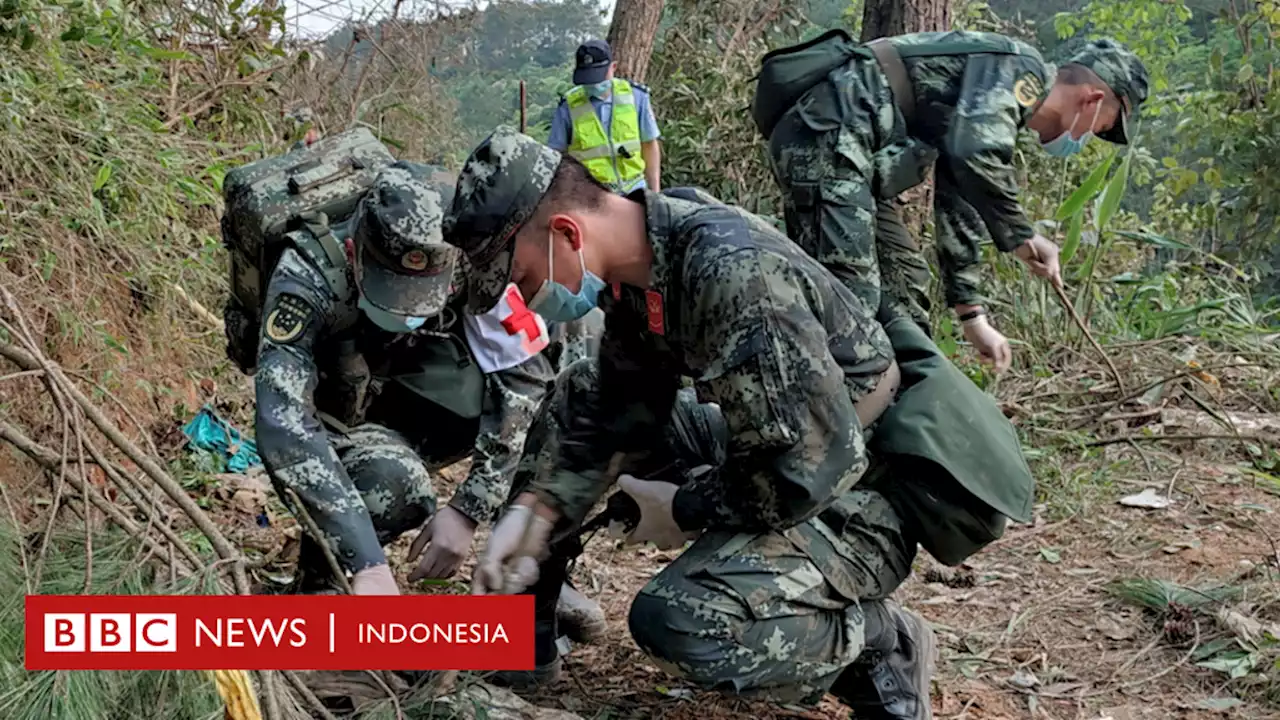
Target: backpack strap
column 895, row 71
column 325, row 250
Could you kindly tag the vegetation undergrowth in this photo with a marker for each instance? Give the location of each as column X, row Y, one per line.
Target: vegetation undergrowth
column 115, row 569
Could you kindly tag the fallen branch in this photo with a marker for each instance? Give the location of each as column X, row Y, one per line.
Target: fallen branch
column 1153, row 438
column 1176, row 376
column 1071, row 310
column 198, row 517
column 199, row 309
column 50, row 461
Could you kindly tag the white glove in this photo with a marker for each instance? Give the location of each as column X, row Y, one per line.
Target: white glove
column 657, row 522
column 376, row 580
column 1041, row 255
column 509, row 563
column 990, row 344
column 450, row 534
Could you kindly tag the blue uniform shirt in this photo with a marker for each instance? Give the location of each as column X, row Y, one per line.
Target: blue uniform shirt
column 562, row 126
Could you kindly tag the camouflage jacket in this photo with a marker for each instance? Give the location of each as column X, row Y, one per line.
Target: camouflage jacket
column 766, row 333
column 970, row 106
column 295, row 446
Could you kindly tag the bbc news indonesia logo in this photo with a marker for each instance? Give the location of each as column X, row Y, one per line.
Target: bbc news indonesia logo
column 279, row 632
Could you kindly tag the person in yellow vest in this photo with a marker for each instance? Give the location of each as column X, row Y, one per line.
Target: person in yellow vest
column 607, row 124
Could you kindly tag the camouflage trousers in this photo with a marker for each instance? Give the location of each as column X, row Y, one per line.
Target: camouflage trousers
column 838, row 174
column 754, row 614
column 746, row 613
column 393, row 481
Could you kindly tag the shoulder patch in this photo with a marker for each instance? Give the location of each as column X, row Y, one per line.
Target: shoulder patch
column 288, row 319
column 1027, row 89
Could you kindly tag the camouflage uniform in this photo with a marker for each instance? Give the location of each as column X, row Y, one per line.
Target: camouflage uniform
column 844, row 151
column 364, row 474
column 783, row 592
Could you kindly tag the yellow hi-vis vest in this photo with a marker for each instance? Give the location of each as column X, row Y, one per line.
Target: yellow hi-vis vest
column 614, row 157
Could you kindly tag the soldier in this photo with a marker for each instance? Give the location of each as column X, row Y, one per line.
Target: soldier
column 360, row 397
column 784, row 592
column 869, row 130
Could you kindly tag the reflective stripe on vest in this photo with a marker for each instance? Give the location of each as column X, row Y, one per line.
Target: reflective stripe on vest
column 618, row 164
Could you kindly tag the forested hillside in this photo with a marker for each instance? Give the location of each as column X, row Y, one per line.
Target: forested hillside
column 1146, row 397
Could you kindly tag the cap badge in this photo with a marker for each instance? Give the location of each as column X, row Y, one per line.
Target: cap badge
column 415, row 260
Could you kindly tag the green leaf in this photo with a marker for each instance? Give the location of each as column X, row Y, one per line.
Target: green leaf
column 1072, row 242
column 72, row 34
column 162, row 54
column 1051, row 556
column 1245, row 73
column 1086, row 191
column 104, row 175
column 1112, row 195
column 1215, row 60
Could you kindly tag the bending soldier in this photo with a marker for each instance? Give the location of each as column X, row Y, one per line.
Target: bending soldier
column 869, row 129
column 797, row 546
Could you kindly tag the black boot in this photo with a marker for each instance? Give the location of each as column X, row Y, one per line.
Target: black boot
column 890, row 680
column 546, row 596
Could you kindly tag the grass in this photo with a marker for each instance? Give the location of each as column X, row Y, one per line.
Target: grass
column 27, row 695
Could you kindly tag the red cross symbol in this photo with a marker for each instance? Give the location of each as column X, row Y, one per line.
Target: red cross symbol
column 521, row 318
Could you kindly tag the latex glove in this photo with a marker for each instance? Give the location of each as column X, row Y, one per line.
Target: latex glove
column 990, row 344
column 450, row 533
column 509, row 563
column 376, row 580
column 657, row 523
column 1041, row 255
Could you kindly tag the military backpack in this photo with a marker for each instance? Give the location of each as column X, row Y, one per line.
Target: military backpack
column 787, row 73
column 301, row 199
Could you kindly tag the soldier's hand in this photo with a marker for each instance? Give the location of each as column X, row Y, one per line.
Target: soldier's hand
column 509, row 563
column 450, row 533
column 1041, row 255
column 376, row 580
column 989, row 342
column 657, row 523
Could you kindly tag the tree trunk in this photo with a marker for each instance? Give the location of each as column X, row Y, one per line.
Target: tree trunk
column 883, row 18
column 631, row 36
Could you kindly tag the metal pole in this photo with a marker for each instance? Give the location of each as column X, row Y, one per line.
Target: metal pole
column 523, row 120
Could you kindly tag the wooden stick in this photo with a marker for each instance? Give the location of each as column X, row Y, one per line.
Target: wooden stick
column 1071, row 309
column 1156, row 438
column 309, row 524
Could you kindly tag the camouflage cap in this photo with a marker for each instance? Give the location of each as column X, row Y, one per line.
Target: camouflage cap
column 404, row 266
column 1124, row 73
column 499, row 187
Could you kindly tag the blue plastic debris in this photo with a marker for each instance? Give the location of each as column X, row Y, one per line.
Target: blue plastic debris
column 207, row 431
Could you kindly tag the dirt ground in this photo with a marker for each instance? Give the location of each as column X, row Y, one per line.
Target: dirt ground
column 1027, row 628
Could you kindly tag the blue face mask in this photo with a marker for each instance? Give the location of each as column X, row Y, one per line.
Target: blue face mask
column 557, row 303
column 1064, row 145
column 390, row 321
column 600, row 90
